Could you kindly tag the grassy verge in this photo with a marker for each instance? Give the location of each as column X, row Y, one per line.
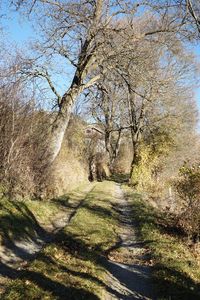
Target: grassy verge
column 23, row 219
column 72, row 267
column 18, row 219
column 176, row 265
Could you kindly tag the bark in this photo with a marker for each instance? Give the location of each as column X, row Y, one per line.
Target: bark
column 108, row 143
column 61, row 122
column 112, row 149
column 136, row 122
column 136, row 157
column 67, row 102
column 115, row 150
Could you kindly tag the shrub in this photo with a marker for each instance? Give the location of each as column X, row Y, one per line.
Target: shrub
column 146, row 173
column 188, row 189
column 19, row 140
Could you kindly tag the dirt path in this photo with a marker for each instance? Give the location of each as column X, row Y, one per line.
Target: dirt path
column 129, row 277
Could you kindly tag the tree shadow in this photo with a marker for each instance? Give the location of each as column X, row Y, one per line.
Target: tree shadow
column 169, row 283
column 76, row 248
column 65, row 200
column 119, row 178
column 57, row 289
column 168, row 288
column 62, row 201
column 135, row 278
column 132, row 277
column 19, row 229
column 19, row 224
column 98, row 210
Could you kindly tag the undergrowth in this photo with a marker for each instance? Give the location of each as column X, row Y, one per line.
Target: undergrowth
column 176, row 266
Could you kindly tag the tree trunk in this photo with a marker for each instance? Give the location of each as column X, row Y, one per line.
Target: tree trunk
column 134, row 162
column 115, row 149
column 60, row 124
column 136, row 156
column 112, row 149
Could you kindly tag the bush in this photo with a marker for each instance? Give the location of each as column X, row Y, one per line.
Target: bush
column 146, row 175
column 19, row 139
column 188, row 189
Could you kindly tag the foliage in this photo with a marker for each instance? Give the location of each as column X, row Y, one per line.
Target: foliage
column 188, row 185
column 152, row 151
column 188, row 188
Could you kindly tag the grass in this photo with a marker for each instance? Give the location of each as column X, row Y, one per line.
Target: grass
column 16, row 220
column 23, row 219
column 72, row 266
column 120, row 178
column 176, row 266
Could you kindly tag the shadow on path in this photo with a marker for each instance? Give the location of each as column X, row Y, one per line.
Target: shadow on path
column 134, row 279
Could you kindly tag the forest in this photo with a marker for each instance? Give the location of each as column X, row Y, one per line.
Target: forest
column 99, row 113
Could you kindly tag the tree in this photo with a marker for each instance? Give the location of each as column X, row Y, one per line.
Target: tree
column 154, row 86
column 78, row 31
column 85, row 33
column 187, row 14
column 106, row 107
column 151, row 87
column 194, row 9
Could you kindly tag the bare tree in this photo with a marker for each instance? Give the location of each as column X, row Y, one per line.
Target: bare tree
column 106, row 107
column 78, row 31
column 85, row 34
column 184, row 15
column 194, row 9
column 148, row 87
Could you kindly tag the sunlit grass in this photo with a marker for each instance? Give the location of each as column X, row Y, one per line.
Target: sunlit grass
column 71, row 267
column 176, row 265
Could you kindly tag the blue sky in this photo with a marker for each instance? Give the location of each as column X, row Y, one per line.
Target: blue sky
column 20, row 32
column 18, row 29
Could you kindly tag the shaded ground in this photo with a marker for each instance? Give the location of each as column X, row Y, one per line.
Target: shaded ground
column 175, row 264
